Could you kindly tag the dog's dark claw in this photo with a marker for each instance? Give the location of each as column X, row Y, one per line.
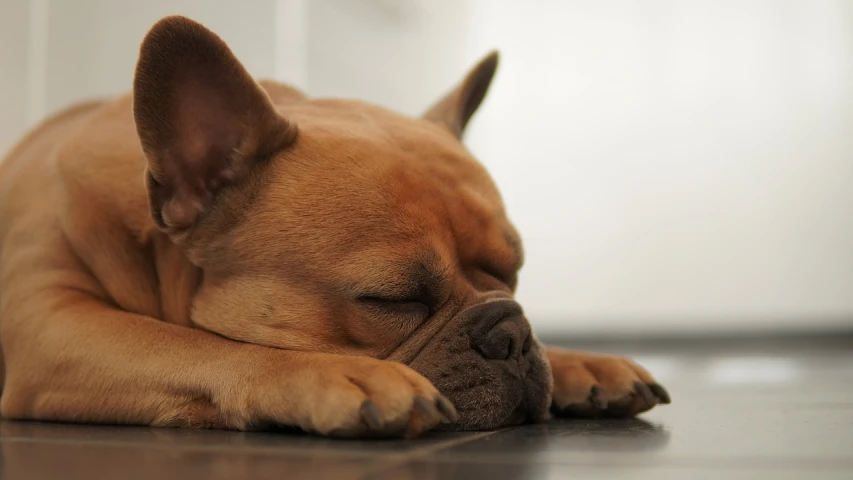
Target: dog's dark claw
column 661, row 393
column 370, row 414
column 595, row 397
column 425, row 408
column 643, row 390
column 447, row 409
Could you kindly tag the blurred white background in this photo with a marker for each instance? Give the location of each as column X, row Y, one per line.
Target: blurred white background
column 681, row 166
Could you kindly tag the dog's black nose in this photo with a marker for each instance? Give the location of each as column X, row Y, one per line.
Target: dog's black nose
column 510, row 338
column 502, row 331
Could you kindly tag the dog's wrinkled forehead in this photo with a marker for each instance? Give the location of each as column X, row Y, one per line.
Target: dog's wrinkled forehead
column 366, row 139
column 366, row 176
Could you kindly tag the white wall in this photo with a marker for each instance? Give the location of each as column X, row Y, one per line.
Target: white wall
column 685, row 163
column 93, row 44
column 672, row 164
column 14, row 44
column 400, row 54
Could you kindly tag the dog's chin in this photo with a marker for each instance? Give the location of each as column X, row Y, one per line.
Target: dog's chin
column 493, row 394
column 483, row 420
column 509, row 411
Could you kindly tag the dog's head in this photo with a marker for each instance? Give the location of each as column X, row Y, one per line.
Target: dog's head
column 338, row 226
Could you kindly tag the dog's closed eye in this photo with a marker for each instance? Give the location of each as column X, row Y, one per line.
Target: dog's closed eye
column 413, row 307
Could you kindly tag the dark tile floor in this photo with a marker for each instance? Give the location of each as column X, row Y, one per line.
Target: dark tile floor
column 741, row 410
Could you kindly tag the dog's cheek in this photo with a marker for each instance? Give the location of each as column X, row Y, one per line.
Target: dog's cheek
column 538, row 383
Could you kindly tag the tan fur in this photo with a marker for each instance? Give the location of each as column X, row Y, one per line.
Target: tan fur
column 220, row 271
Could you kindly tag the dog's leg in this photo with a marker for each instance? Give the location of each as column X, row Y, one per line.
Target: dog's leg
column 593, row 385
column 72, row 358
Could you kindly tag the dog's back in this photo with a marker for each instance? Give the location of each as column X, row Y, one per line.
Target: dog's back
column 36, row 153
column 28, row 195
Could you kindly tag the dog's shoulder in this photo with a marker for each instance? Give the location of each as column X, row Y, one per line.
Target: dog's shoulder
column 28, row 180
column 81, row 170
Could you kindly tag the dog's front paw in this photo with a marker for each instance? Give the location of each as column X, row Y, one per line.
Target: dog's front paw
column 365, row 397
column 589, row 385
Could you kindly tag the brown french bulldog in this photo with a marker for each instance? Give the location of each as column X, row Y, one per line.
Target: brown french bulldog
column 212, row 251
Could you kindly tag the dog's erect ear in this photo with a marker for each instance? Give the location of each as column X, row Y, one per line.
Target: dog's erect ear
column 202, row 120
column 458, row 106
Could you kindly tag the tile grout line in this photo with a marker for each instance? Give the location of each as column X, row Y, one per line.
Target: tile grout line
column 395, row 461
column 283, row 450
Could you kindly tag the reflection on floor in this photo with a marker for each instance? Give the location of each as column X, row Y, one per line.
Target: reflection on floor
column 744, row 410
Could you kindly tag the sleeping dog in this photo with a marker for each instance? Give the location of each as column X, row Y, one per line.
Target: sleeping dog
column 215, row 251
